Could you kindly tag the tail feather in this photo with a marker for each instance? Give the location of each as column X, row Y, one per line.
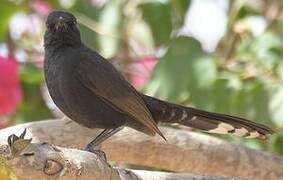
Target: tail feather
column 231, row 124
column 207, row 121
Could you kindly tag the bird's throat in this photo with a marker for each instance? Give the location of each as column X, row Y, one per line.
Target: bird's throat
column 59, row 40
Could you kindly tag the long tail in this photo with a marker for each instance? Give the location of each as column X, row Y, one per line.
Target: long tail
column 207, row 121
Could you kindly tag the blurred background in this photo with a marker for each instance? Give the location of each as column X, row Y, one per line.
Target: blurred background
column 217, row 55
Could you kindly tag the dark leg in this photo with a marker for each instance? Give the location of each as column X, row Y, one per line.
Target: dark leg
column 104, row 135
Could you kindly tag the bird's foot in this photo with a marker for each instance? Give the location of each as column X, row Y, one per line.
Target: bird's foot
column 98, row 152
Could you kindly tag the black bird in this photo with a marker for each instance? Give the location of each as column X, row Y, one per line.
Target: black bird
column 90, row 91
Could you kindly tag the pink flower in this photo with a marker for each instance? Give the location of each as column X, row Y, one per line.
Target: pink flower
column 143, row 69
column 41, row 7
column 10, row 91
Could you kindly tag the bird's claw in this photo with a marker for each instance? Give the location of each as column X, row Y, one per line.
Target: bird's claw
column 18, row 143
column 98, row 152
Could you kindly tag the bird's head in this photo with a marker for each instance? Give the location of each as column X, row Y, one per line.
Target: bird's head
column 62, row 30
column 60, row 21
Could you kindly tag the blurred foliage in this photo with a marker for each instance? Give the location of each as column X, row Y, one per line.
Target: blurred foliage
column 242, row 77
column 7, row 10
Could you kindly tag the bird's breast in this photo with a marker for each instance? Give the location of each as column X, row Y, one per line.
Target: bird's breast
column 59, row 70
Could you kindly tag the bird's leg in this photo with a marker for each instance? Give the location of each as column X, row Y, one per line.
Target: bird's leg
column 104, row 135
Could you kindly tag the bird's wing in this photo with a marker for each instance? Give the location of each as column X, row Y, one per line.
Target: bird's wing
column 106, row 82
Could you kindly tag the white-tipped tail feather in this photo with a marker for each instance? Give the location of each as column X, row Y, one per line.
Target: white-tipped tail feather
column 206, row 121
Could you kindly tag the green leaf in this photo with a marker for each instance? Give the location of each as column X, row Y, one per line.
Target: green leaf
column 265, row 51
column 276, row 144
column 240, row 10
column 184, row 67
column 221, row 95
column 55, row 4
column 7, row 9
column 88, row 36
column 180, row 8
column 88, row 16
column 202, row 76
column 276, row 108
column 32, row 106
column 245, row 10
column 253, row 102
column 158, row 16
column 30, row 74
column 247, row 99
column 86, row 8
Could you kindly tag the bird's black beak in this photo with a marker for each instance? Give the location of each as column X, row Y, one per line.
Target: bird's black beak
column 60, row 23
